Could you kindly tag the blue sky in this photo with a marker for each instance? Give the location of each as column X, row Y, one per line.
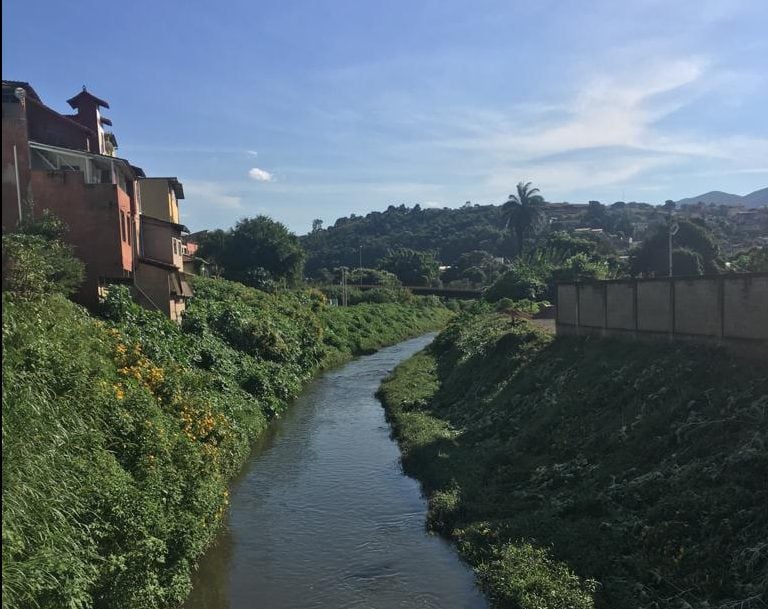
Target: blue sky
column 318, row 109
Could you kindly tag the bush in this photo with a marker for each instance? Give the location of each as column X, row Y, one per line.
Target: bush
column 521, row 576
column 520, row 282
column 36, row 262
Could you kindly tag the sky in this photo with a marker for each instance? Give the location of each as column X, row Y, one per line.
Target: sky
column 304, row 109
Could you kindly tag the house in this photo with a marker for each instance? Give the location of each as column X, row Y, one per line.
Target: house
column 67, row 164
column 159, row 272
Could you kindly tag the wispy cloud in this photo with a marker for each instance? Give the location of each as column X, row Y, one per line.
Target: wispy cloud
column 252, row 153
column 210, row 193
column 260, row 175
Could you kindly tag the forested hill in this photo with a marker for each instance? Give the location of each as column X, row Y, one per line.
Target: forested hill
column 449, row 232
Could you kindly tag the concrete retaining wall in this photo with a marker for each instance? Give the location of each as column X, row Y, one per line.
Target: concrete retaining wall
column 731, row 308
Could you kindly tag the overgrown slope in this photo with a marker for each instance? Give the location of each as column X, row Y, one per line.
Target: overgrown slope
column 120, row 434
column 641, row 466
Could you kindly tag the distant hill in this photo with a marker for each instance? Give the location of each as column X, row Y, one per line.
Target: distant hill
column 756, row 199
column 718, row 197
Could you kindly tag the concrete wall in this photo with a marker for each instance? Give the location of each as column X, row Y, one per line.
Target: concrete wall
column 745, row 304
column 731, row 307
column 654, row 306
column 620, row 299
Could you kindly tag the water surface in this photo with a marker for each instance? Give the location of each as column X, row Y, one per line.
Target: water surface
column 323, row 517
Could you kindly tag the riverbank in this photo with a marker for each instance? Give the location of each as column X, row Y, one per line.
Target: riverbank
column 120, row 433
column 590, row 473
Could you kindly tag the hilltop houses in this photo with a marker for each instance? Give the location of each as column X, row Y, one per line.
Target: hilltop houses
column 122, row 224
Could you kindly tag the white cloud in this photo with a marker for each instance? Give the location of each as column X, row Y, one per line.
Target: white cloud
column 608, row 132
column 210, row 193
column 260, row 175
column 252, row 153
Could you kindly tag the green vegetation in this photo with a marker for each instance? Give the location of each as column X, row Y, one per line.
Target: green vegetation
column 580, row 473
column 752, row 261
column 627, row 238
column 694, row 251
column 258, row 252
column 523, row 213
column 120, row 433
column 449, row 232
column 35, row 261
column 412, row 267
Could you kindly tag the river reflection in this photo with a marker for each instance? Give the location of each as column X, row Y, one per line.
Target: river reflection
column 324, row 518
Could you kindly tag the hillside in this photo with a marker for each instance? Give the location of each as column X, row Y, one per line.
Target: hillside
column 575, row 473
column 449, row 232
column 717, row 197
column 756, row 199
column 452, row 233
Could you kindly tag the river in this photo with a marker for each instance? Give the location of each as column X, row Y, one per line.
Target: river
column 323, row 517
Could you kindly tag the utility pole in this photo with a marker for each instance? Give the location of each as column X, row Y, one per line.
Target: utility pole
column 360, row 267
column 673, row 228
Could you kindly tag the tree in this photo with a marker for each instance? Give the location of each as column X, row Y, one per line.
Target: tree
column 317, row 225
column 752, row 261
column 412, row 267
column 521, row 282
column 652, row 257
column 256, row 252
column 523, row 212
column 596, row 215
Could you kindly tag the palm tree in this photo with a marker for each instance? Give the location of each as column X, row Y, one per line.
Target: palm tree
column 523, row 212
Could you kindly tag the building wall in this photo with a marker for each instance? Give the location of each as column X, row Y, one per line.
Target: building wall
column 730, row 308
column 153, row 290
column 92, row 213
column 161, row 241
column 14, row 134
column 158, row 200
column 47, row 126
column 153, row 286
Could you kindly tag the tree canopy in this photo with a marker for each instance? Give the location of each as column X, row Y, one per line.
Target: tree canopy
column 523, row 213
column 694, row 251
column 412, row 267
column 256, row 252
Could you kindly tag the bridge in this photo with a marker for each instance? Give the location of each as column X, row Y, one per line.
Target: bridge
column 420, row 290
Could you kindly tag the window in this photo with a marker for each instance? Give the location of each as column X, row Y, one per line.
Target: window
column 122, row 226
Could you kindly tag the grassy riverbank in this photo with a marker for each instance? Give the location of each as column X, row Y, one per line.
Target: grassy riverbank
column 577, row 473
column 121, row 432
